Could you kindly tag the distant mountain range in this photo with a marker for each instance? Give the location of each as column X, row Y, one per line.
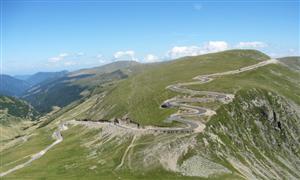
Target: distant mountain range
column 72, row 86
column 17, row 85
column 47, row 89
column 40, row 77
column 11, row 86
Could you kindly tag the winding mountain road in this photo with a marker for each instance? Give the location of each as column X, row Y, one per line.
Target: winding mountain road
column 209, row 96
column 182, row 117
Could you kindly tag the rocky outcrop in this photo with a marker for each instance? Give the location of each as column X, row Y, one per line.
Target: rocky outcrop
column 256, row 136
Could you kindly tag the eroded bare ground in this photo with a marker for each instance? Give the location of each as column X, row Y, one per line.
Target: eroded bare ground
column 161, row 146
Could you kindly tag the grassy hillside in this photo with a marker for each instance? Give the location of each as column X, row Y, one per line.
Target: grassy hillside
column 142, row 94
column 255, row 135
column 272, row 78
column 15, row 114
column 75, row 85
column 127, row 66
column 293, row 62
column 16, row 107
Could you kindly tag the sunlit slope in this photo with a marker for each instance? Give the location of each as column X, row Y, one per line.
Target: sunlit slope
column 276, row 77
column 141, row 95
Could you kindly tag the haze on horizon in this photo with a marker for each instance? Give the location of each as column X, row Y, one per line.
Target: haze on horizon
column 54, row 36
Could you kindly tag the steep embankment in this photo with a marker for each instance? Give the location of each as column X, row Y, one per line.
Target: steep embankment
column 255, row 135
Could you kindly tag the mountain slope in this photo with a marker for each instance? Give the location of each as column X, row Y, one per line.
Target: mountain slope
column 75, row 85
column 126, row 65
column 22, row 77
column 11, row 86
column 16, row 107
column 293, row 62
column 14, row 115
column 140, row 95
column 255, row 136
column 42, row 76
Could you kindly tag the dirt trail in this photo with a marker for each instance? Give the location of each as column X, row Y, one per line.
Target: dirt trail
column 126, row 152
column 58, row 139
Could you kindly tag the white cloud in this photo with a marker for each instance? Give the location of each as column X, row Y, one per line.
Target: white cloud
column 211, row 46
column 150, row 58
column 125, row 55
column 215, row 46
column 101, row 59
column 180, row 51
column 252, row 44
column 58, row 58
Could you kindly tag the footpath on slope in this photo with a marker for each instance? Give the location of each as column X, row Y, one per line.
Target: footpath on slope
column 182, row 117
column 58, row 139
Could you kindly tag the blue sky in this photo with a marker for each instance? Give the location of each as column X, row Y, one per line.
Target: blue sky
column 57, row 35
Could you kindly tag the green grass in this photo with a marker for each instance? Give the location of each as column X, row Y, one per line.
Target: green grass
column 35, row 143
column 69, row 160
column 142, row 94
column 272, row 77
column 16, row 107
column 293, row 62
column 236, row 127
